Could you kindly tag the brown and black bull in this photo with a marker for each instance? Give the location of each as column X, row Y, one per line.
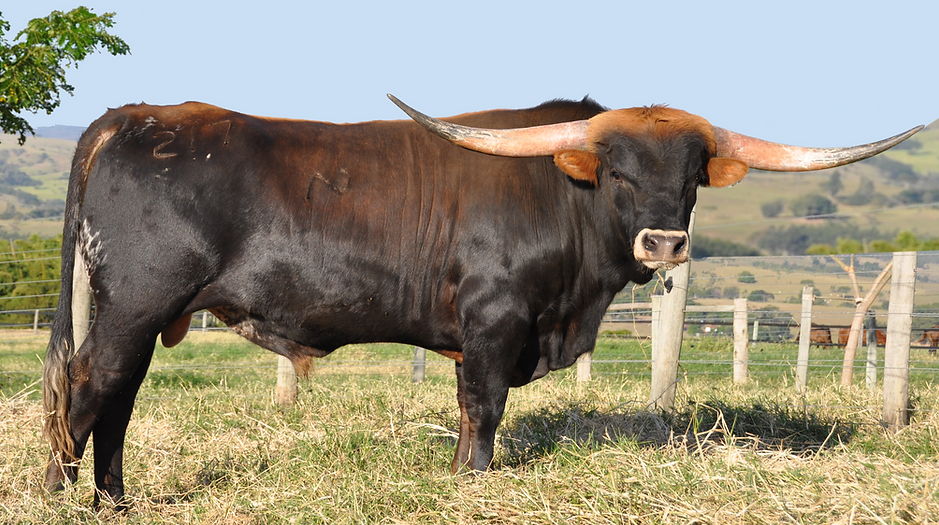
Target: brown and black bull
column 307, row 236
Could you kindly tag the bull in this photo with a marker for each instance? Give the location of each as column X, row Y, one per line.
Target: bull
column 497, row 240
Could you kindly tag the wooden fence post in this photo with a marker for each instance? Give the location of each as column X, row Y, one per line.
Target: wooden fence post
column 668, row 351
column 871, row 351
column 420, row 360
column 285, row 393
column 897, row 351
column 655, row 323
column 584, row 362
column 36, row 322
column 670, row 330
column 81, row 300
column 805, row 339
column 741, row 348
column 659, row 383
column 205, row 320
column 756, row 330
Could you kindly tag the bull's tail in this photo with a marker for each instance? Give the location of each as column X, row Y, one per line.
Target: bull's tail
column 56, row 388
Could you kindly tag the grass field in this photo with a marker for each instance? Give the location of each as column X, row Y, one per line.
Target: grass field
column 365, row 445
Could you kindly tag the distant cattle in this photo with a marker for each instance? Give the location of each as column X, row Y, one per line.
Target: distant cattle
column 930, row 338
column 498, row 240
column 818, row 335
column 844, row 333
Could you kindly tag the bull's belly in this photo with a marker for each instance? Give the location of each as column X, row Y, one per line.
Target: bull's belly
column 301, row 339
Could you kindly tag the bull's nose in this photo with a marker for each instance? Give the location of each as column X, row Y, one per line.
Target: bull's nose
column 660, row 248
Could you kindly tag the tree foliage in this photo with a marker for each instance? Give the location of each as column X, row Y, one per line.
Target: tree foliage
column 32, row 66
column 796, row 239
column 833, row 185
column 704, row 246
column 903, row 242
column 772, row 208
column 812, row 205
column 864, row 195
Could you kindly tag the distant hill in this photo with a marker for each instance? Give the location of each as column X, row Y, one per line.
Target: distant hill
column 33, row 182
column 874, row 199
column 60, row 132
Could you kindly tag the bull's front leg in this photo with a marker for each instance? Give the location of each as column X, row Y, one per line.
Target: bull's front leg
column 490, row 356
column 482, row 403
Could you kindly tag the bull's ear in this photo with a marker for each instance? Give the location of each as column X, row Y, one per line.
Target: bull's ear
column 580, row 165
column 723, row 172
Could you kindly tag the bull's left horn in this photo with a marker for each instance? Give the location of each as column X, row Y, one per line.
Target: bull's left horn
column 764, row 155
column 517, row 142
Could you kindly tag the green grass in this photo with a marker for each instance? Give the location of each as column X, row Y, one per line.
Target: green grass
column 365, row 445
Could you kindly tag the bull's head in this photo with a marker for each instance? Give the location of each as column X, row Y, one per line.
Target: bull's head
column 673, row 150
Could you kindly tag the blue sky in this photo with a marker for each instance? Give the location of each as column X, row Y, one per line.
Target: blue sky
column 807, row 73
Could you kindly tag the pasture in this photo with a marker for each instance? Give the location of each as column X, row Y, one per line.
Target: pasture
column 365, row 445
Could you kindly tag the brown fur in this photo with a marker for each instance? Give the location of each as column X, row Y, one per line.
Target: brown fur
column 723, row 172
column 658, row 122
column 579, row 165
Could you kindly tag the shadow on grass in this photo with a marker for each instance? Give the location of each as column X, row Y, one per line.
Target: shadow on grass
column 700, row 426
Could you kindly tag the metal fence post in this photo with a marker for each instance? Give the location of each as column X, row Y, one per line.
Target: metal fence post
column 897, row 351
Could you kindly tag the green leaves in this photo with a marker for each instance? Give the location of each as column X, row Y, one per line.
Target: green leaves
column 32, row 68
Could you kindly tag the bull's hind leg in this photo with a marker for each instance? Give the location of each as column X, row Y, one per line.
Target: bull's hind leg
column 105, row 376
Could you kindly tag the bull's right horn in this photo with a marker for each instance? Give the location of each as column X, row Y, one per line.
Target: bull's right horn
column 770, row 156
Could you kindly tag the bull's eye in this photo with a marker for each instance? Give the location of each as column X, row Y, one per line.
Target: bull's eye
column 616, row 175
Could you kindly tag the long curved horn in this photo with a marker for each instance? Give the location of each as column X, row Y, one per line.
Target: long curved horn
column 518, row 142
column 764, row 155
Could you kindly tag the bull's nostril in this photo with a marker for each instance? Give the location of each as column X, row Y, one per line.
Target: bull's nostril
column 680, row 245
column 649, row 242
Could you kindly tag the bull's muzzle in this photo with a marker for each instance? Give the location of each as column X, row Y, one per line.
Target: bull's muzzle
column 659, row 249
